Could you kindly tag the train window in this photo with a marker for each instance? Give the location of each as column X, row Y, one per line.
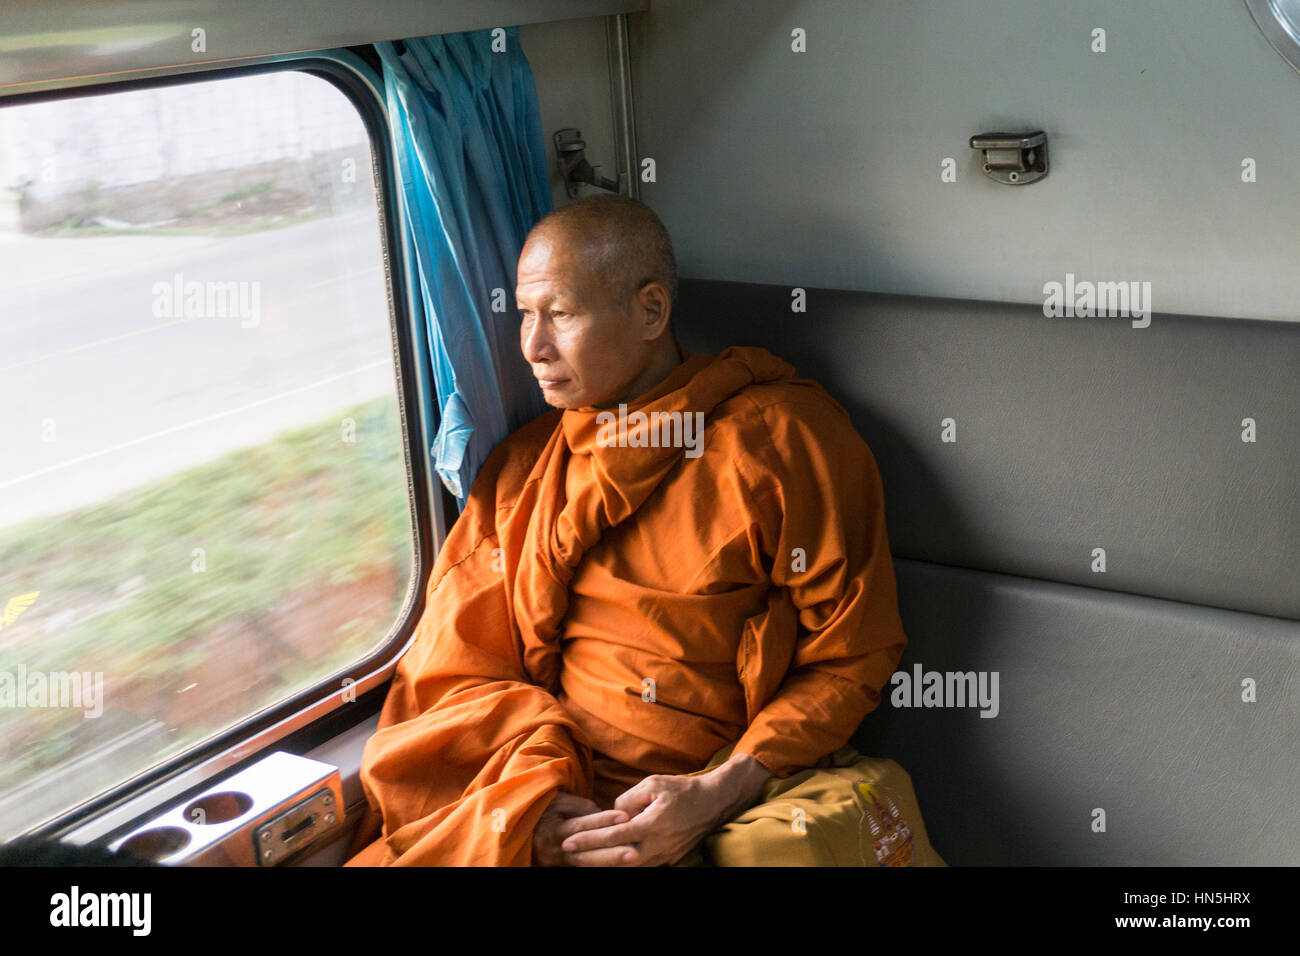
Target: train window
column 205, row 502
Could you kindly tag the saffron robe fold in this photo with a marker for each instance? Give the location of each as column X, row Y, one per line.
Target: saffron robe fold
column 609, row 607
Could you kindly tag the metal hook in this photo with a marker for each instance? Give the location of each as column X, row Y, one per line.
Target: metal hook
column 574, row 168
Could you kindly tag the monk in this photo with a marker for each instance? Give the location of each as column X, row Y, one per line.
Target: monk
column 685, row 557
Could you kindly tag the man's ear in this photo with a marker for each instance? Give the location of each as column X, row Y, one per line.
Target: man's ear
column 657, row 307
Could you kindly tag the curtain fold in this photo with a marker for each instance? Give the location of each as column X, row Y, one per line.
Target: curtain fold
column 468, row 137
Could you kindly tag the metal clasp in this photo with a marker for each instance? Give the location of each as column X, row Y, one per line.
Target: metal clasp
column 574, row 168
column 1013, row 158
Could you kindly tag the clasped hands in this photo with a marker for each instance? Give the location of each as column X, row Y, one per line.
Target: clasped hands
column 655, row 822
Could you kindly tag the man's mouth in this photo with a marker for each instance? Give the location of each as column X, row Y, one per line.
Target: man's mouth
column 551, row 382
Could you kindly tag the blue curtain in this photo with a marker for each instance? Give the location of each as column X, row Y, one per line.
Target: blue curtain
column 470, row 148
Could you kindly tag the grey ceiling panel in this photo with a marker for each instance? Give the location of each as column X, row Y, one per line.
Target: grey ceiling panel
column 52, row 43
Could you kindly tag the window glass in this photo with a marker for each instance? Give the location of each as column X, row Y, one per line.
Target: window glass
column 204, row 498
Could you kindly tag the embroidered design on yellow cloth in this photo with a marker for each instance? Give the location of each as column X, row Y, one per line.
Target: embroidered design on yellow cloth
column 891, row 836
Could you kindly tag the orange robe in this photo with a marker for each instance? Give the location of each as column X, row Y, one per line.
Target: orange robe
column 601, row 612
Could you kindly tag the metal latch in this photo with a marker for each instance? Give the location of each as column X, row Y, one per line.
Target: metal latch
column 570, row 152
column 1013, row 158
column 295, row 828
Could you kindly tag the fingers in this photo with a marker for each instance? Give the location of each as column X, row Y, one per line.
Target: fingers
column 638, row 797
column 568, row 804
column 591, row 821
column 615, row 835
column 605, row 856
column 567, row 813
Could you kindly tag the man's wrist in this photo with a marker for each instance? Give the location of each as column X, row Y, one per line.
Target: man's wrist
column 738, row 784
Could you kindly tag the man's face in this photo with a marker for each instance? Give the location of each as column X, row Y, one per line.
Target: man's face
column 584, row 350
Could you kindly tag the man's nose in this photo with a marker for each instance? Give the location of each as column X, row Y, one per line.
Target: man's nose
column 535, row 343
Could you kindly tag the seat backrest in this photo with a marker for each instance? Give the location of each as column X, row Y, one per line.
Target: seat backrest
column 1104, row 516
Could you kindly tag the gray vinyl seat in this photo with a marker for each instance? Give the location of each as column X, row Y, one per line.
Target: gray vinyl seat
column 1119, row 690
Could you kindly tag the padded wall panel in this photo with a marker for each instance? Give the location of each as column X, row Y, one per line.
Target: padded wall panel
column 1108, row 701
column 1072, row 434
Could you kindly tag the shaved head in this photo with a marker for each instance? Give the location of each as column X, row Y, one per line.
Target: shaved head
column 620, row 243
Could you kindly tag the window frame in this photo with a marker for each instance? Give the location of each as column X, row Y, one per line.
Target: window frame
column 297, row 721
